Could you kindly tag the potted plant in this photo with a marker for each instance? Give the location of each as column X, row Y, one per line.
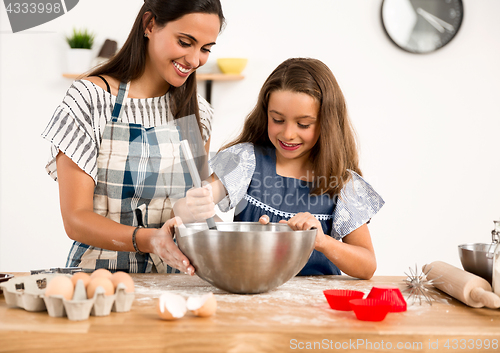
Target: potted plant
column 79, row 55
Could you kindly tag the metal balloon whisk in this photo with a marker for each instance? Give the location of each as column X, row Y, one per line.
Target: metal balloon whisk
column 419, row 286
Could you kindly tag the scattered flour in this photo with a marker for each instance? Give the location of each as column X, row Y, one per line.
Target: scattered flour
column 296, row 294
column 297, row 302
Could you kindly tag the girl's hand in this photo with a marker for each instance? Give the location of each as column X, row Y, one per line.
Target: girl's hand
column 264, row 219
column 163, row 245
column 200, row 203
column 306, row 221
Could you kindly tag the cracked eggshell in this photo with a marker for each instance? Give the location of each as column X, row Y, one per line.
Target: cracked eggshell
column 103, row 282
column 60, row 285
column 171, row 306
column 202, row 305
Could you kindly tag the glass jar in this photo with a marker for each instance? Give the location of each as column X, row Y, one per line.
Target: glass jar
column 495, row 237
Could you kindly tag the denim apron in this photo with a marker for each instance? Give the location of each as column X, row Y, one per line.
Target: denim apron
column 138, row 168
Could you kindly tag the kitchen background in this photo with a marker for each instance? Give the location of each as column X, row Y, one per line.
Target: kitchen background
column 428, row 125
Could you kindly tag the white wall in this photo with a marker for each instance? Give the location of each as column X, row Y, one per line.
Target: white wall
column 427, row 124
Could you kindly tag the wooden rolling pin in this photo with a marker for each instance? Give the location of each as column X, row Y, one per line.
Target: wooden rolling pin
column 464, row 286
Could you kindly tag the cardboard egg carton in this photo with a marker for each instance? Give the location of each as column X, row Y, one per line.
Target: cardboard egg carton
column 28, row 293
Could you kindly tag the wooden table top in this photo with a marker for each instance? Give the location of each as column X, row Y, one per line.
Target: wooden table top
column 292, row 317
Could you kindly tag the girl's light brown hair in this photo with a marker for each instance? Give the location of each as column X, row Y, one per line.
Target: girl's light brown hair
column 336, row 149
column 129, row 63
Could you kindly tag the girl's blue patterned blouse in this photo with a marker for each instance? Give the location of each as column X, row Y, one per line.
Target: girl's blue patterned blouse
column 254, row 189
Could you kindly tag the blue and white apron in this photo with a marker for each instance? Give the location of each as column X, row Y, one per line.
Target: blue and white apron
column 140, row 168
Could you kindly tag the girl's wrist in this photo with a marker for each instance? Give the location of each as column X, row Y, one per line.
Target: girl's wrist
column 323, row 242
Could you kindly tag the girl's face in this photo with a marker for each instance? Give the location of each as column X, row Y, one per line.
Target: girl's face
column 293, row 123
column 180, row 47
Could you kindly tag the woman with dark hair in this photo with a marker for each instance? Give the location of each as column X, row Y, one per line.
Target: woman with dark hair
column 115, row 140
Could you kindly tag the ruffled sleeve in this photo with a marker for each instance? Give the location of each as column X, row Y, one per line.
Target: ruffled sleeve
column 206, row 117
column 234, row 167
column 72, row 131
column 357, row 204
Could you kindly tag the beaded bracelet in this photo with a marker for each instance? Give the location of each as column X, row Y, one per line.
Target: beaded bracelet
column 134, row 242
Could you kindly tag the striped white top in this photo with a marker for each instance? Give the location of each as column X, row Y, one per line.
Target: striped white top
column 78, row 123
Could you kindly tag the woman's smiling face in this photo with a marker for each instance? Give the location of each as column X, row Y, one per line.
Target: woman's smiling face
column 293, row 123
column 180, row 47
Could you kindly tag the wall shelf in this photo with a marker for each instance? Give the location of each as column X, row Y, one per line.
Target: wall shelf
column 208, row 78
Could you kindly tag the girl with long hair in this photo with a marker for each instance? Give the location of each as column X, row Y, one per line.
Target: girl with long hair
column 296, row 161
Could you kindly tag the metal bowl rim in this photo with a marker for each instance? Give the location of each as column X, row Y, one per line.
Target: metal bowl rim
column 214, row 231
column 465, row 245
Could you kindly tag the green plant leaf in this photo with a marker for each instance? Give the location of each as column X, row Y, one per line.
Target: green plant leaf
column 81, row 39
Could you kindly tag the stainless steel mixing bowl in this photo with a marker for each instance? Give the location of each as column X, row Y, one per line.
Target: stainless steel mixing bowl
column 246, row 257
column 477, row 258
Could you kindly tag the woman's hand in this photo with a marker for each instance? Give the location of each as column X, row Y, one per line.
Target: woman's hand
column 76, row 190
column 163, row 245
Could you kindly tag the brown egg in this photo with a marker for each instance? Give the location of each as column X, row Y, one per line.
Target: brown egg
column 60, row 285
column 101, row 272
column 85, row 277
column 171, row 306
column 103, row 282
column 125, row 278
column 203, row 305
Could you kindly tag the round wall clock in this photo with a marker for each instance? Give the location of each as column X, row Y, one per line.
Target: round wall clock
column 421, row 26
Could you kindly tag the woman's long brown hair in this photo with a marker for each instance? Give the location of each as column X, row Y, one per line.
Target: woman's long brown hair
column 336, row 149
column 129, row 63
